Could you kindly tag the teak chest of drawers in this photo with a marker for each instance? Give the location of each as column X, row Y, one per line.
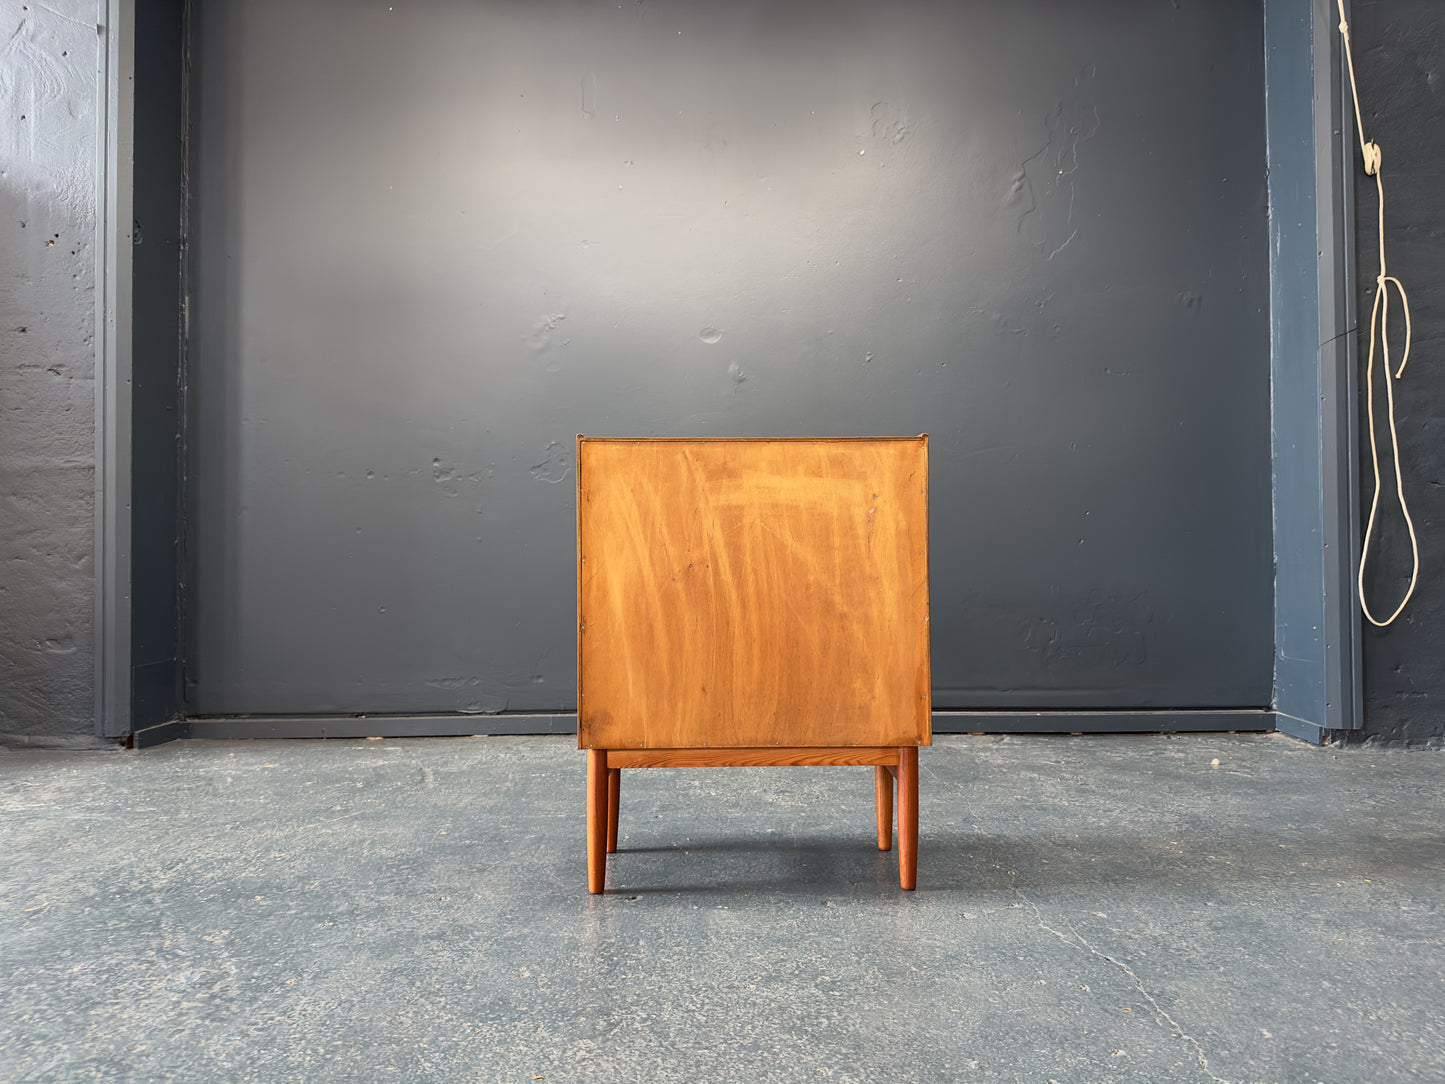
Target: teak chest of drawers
column 753, row 602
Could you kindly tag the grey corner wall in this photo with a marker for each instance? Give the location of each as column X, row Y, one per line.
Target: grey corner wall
column 157, row 388
column 48, row 94
column 1316, row 625
column 1400, row 66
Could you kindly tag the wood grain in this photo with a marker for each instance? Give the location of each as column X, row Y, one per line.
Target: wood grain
column 614, row 798
column 750, row 593
column 883, row 806
column 766, row 757
column 596, row 819
column 908, row 817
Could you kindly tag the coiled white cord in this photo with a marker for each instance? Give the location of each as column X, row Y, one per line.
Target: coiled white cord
column 1371, row 154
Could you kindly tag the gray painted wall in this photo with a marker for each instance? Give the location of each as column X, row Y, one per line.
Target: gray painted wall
column 1316, row 621
column 46, row 454
column 156, row 368
column 1400, row 64
column 435, row 243
column 1295, row 363
column 49, row 57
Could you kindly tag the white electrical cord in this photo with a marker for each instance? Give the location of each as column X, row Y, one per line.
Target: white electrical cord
column 1371, row 154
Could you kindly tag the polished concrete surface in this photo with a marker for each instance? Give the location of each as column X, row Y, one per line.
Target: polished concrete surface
column 1196, row 908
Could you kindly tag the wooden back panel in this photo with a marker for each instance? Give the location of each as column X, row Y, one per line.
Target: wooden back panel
column 746, row 593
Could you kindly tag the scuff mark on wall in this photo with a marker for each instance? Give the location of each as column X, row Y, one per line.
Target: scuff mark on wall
column 445, row 477
column 542, row 338
column 1105, row 630
column 556, row 464
column 46, row 141
column 1045, row 179
column 890, row 123
column 449, row 477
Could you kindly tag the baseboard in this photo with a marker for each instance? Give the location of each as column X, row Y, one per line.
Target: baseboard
column 1304, row 730
column 233, row 727
column 1101, row 722
column 151, row 736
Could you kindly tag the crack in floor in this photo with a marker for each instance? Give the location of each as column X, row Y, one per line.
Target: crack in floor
column 1078, row 941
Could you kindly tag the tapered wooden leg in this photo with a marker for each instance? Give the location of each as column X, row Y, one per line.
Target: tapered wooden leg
column 883, row 805
column 614, row 787
column 908, row 816
column 596, row 819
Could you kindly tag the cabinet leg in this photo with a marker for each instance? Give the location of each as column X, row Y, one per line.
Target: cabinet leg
column 908, row 816
column 596, row 819
column 614, row 788
column 883, row 805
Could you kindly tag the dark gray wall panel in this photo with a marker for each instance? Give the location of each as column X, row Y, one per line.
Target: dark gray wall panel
column 156, row 363
column 1317, row 638
column 1399, row 55
column 436, row 242
column 1295, row 362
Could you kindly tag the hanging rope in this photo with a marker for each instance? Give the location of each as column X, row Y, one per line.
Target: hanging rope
column 1371, row 154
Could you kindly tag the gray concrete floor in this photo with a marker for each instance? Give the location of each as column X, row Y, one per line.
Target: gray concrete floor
column 1088, row 909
